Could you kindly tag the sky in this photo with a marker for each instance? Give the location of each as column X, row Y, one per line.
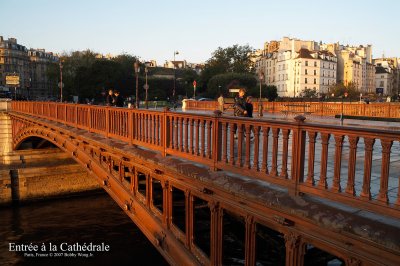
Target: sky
column 154, row 29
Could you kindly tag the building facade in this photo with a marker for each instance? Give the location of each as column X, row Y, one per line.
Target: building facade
column 354, row 66
column 14, row 60
column 41, row 87
column 388, row 67
column 30, row 65
column 293, row 68
column 384, row 81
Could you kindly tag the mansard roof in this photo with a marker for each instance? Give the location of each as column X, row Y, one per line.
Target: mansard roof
column 304, row 53
column 380, row 70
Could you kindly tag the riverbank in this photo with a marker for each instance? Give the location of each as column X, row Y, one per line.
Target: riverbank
column 33, row 175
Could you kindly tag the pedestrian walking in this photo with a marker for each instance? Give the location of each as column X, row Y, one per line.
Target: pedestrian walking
column 221, row 103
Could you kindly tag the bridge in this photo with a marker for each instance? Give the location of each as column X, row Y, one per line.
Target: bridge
column 211, row 189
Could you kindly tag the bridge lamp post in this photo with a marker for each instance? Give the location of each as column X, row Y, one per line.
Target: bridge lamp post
column 341, row 115
column 146, row 87
column 173, row 91
column 260, row 106
column 61, row 82
column 137, row 69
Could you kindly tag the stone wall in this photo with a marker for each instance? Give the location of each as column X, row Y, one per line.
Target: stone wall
column 37, row 173
column 39, row 176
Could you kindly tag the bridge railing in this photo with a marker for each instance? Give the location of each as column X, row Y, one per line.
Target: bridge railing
column 341, row 163
column 387, row 110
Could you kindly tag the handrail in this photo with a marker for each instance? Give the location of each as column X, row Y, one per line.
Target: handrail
column 391, row 110
column 341, row 163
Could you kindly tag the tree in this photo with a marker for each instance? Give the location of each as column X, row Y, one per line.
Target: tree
column 339, row 89
column 184, row 84
column 223, row 82
column 235, row 59
column 271, row 93
column 309, row 93
column 87, row 75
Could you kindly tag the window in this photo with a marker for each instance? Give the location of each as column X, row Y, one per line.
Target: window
column 306, row 63
column 305, row 80
column 315, row 72
column 315, row 64
column 305, row 71
column 315, row 81
column 382, row 84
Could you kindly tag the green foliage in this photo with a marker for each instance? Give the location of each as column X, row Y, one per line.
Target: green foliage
column 309, row 93
column 223, row 82
column 339, row 89
column 184, row 84
column 227, row 60
column 271, row 93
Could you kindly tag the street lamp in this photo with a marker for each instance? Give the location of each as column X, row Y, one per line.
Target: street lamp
column 173, row 91
column 137, row 69
column 61, row 82
column 260, row 106
column 341, row 115
column 146, row 87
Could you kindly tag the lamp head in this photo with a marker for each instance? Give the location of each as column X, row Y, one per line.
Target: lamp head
column 136, row 66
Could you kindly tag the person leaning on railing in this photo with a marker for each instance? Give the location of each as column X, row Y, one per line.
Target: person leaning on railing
column 239, row 107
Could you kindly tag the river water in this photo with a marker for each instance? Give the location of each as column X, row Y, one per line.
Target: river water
column 68, row 223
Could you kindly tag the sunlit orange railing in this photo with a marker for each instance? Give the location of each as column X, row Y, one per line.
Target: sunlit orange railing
column 345, row 164
column 387, row 110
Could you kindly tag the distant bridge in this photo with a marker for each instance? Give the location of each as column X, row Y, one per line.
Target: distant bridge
column 281, row 192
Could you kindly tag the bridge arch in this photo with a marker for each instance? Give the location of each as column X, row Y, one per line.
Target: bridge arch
column 99, row 164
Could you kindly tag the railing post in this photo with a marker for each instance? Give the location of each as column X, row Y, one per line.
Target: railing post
column 107, row 120
column 298, row 154
column 76, row 115
column 89, row 122
column 65, row 114
column 166, row 132
column 217, row 141
column 130, row 126
column 56, row 112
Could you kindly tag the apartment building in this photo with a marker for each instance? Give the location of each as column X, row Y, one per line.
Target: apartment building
column 41, row 87
column 30, row 65
column 387, row 75
column 354, row 66
column 293, row 66
column 14, row 60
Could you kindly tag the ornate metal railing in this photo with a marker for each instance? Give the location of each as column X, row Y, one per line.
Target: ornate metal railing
column 350, row 165
column 387, row 110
